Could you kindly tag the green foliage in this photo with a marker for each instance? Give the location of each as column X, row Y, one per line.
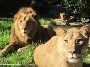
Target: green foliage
column 46, row 22
column 87, row 54
column 80, row 8
column 5, row 26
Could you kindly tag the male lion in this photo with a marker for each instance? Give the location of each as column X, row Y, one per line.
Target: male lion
column 64, row 50
column 26, row 29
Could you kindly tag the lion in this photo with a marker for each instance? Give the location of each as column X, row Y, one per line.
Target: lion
column 25, row 30
column 66, row 17
column 64, row 50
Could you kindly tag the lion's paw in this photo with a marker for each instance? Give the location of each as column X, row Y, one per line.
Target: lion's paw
column 21, row 49
column 2, row 53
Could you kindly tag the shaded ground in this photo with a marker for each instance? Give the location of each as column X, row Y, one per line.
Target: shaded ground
column 86, row 65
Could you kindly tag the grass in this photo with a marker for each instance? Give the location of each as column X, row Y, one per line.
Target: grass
column 48, row 22
column 5, row 26
column 22, row 59
column 87, row 54
column 16, row 59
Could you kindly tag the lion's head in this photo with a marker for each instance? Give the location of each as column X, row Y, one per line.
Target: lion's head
column 26, row 21
column 63, row 16
column 73, row 43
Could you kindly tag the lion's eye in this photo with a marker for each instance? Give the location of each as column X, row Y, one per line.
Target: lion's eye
column 79, row 41
column 20, row 21
column 66, row 41
column 28, row 22
column 35, row 17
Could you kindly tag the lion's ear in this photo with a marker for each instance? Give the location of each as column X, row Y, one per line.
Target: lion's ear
column 60, row 13
column 60, row 31
column 85, row 30
column 16, row 16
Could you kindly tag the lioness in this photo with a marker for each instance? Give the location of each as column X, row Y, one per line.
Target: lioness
column 66, row 17
column 27, row 29
column 64, row 50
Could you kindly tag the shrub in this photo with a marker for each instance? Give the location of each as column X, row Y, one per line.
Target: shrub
column 80, row 8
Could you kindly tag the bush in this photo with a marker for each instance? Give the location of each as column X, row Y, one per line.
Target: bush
column 80, row 8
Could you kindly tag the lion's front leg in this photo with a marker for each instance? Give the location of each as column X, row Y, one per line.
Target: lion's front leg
column 7, row 49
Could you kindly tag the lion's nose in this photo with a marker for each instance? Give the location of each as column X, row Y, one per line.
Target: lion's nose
column 24, row 28
column 72, row 52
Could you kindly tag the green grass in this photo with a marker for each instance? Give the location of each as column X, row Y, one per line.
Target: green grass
column 87, row 54
column 22, row 59
column 48, row 22
column 19, row 58
column 5, row 26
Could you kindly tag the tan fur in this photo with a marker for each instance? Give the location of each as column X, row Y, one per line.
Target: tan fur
column 66, row 17
column 26, row 29
column 65, row 50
